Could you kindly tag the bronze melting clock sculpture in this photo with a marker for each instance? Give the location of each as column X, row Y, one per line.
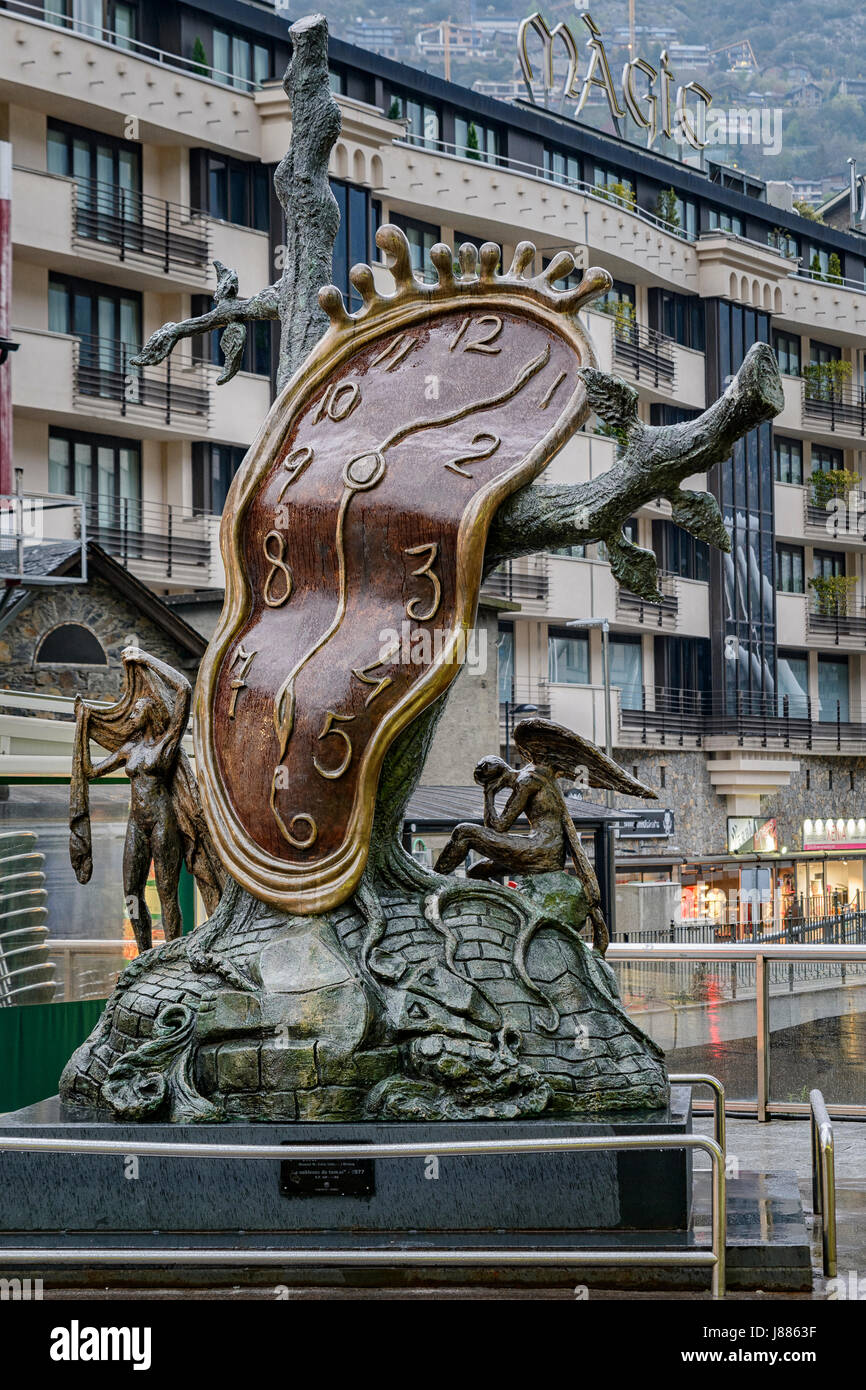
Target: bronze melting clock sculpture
column 336, row 978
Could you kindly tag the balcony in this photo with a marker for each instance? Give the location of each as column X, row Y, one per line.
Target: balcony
column 65, row 67
column 158, row 542
column 836, row 628
column 674, row 718
column 525, row 581
column 836, row 409
column 73, row 380
column 645, row 355
column 55, row 219
column 634, row 610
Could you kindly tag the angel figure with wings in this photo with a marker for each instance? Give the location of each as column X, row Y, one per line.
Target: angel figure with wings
column 551, row 752
column 142, row 732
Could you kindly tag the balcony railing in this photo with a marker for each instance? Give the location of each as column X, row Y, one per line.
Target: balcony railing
column 100, row 33
column 537, row 171
column 680, row 717
column 103, row 369
column 516, row 580
column 171, row 537
column 135, row 225
column 631, row 608
column 646, row 354
column 837, row 406
column 837, row 626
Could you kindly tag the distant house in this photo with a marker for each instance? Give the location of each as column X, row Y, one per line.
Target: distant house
column 808, row 95
column 852, row 87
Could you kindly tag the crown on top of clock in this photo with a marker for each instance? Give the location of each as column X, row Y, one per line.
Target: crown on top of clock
column 478, row 273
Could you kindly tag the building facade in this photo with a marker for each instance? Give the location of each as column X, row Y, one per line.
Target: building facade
column 144, row 139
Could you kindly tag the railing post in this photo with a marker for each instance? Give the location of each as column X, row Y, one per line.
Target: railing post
column 167, row 259
column 808, row 721
column 838, row 726
column 740, row 736
column 762, row 1011
column 123, row 224
column 168, row 389
column 786, row 713
column 123, row 378
column 170, row 534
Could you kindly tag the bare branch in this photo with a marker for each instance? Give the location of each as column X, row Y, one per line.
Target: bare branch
column 653, row 462
column 226, row 312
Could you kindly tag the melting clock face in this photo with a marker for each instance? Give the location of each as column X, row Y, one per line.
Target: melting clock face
column 360, row 551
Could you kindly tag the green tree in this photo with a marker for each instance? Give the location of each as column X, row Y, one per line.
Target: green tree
column 666, row 207
column 199, row 58
column 472, row 145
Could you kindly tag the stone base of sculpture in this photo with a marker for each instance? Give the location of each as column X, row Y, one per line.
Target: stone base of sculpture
column 467, row 1002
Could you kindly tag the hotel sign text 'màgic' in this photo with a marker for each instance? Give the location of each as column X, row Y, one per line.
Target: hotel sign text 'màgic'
column 666, row 105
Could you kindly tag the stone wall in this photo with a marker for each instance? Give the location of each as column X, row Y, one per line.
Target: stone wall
column 113, row 619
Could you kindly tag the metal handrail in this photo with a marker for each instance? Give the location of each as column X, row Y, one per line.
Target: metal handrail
column 714, row 1259
column 701, row 1078
column 537, row 171
column 824, row 1179
column 101, row 34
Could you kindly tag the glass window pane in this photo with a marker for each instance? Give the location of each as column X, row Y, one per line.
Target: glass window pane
column 568, row 660
column 221, row 54
column 105, row 485
column 240, row 62
column 58, row 153
column 218, row 191
column 239, row 185
column 83, row 470
column 124, row 24
column 58, row 308
column 505, row 646
column 626, row 671
column 58, row 465
column 261, row 64
column 832, row 690
column 793, row 678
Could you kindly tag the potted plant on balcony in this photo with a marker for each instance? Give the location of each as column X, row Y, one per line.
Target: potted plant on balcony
column 199, row 59
column 666, row 207
column 616, row 193
column 833, row 594
column 825, row 380
column 833, row 482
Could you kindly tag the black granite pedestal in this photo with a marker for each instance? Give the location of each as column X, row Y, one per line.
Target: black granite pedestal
column 605, row 1200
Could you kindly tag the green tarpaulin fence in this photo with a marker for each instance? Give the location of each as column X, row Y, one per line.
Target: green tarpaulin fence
column 36, row 1041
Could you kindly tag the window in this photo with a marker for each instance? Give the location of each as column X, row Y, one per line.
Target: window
column 784, row 241
column 568, row 282
column 245, row 64
column 619, row 294
column 828, row 564
column 568, row 657
column 422, row 237
column 115, row 20
column 626, row 669
column 820, row 354
column 683, row 664
column 571, row 552
column 790, row 569
column 678, row 316
column 103, row 471
column 611, row 184
column 354, row 237
column 213, row 467
column 725, row 222
column 107, row 173
column 422, row 118
column 70, row 644
column 505, row 647
column 475, row 140
column 257, row 348
column 561, row 167
column 825, row 459
column 787, row 350
column 832, row 689
column 793, row 682
column 817, row 262
column 234, row 190
column 788, row 459
column 108, row 322
column 678, row 552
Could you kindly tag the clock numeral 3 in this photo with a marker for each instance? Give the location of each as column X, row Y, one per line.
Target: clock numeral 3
column 431, row 550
